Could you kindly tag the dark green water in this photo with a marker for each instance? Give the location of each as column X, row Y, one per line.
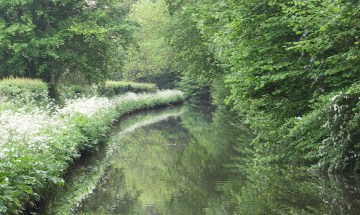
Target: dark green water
column 192, row 160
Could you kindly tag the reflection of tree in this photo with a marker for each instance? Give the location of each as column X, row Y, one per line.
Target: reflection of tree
column 173, row 165
column 196, row 164
column 115, row 197
column 290, row 190
column 86, row 174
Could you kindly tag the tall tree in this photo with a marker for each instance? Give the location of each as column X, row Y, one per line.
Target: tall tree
column 192, row 56
column 293, row 71
column 151, row 55
column 48, row 39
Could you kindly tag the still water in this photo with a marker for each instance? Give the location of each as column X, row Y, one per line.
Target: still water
column 193, row 160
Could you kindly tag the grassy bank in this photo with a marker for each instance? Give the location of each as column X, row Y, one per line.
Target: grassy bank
column 38, row 145
column 83, row 179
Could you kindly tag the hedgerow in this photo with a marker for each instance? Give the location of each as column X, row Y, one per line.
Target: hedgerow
column 23, row 91
column 114, row 88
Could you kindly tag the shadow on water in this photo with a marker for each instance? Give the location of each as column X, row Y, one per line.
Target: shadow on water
column 192, row 160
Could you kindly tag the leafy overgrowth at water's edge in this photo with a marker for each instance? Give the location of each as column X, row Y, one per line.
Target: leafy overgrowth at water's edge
column 37, row 147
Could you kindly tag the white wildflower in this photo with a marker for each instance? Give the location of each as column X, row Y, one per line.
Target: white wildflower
column 86, row 106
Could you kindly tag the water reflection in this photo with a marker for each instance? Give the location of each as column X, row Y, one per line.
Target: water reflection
column 89, row 172
column 172, row 167
column 195, row 162
column 290, row 190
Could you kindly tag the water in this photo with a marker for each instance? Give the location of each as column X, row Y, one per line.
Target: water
column 192, row 160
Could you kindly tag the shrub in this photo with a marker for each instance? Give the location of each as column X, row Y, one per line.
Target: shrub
column 195, row 89
column 23, row 91
column 328, row 136
column 113, row 88
column 76, row 91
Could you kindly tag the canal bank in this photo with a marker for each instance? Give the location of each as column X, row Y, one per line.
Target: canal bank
column 192, row 160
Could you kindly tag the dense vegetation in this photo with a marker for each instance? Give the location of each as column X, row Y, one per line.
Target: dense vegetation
column 39, row 140
column 151, row 55
column 290, row 68
column 74, row 41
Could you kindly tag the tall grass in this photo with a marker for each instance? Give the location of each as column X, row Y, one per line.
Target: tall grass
column 37, row 146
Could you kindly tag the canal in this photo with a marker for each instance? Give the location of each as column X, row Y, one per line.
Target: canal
column 193, row 160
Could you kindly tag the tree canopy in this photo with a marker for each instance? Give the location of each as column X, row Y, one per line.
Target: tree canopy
column 57, row 38
column 291, row 68
column 151, row 54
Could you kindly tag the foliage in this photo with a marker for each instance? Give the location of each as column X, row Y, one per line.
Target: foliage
column 335, row 145
column 114, row 88
column 107, row 89
column 195, row 90
column 76, row 91
column 36, row 150
column 192, row 57
column 166, row 79
column 52, row 40
column 37, row 146
column 23, row 91
column 292, row 68
column 151, row 55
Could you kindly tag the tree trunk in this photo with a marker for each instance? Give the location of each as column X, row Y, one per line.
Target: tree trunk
column 53, row 84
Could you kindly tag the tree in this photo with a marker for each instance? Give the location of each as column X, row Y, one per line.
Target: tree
column 192, row 56
column 292, row 68
column 330, row 40
column 52, row 39
column 151, row 55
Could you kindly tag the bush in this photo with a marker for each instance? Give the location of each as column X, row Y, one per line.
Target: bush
column 76, row 91
column 113, row 88
column 194, row 89
column 23, row 91
column 327, row 137
column 331, row 133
